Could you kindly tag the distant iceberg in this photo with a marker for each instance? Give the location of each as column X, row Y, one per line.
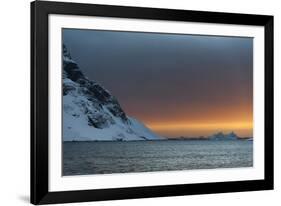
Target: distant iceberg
column 222, row 136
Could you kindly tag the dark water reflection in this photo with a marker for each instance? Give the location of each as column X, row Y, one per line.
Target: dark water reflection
column 81, row 158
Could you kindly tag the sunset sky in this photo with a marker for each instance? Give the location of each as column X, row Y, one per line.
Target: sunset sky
column 178, row 85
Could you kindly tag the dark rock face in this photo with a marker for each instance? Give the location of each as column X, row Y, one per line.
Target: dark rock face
column 70, row 67
column 67, row 88
column 98, row 97
column 72, row 71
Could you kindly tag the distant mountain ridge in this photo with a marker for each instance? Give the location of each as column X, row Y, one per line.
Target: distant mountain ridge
column 216, row 136
column 90, row 112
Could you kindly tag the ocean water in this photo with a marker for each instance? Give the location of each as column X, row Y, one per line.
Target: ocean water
column 83, row 158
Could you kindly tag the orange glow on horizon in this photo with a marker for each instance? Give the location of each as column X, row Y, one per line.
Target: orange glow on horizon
column 180, row 120
column 197, row 129
column 199, row 121
column 176, row 126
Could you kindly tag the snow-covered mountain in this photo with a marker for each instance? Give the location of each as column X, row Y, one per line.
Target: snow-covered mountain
column 90, row 112
column 222, row 136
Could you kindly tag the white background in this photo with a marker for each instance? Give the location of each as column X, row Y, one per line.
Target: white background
column 14, row 102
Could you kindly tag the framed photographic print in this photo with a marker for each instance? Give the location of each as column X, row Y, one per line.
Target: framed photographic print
column 131, row 102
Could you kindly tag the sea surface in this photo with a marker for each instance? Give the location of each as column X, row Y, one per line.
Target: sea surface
column 83, row 158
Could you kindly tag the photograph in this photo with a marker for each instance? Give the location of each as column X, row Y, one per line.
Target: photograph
column 155, row 102
column 133, row 102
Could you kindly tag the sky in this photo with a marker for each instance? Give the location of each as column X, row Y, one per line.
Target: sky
column 176, row 84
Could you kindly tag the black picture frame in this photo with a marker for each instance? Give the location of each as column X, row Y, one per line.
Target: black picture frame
column 39, row 102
